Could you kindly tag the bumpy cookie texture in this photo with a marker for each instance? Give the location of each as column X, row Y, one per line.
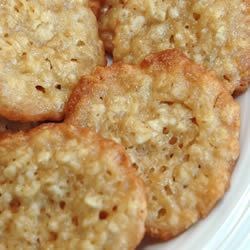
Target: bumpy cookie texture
column 179, row 126
column 68, row 188
column 215, row 33
column 45, row 46
column 7, row 126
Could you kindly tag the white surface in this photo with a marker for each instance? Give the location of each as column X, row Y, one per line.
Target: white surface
column 228, row 225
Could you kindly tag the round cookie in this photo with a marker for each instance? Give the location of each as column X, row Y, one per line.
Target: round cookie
column 68, row 188
column 45, row 46
column 213, row 33
column 11, row 126
column 179, row 126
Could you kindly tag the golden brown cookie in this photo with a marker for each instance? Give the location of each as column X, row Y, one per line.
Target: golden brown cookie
column 45, row 46
column 179, row 126
column 68, row 188
column 213, row 33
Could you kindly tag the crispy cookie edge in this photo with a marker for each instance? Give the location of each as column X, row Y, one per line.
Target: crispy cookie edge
column 166, row 60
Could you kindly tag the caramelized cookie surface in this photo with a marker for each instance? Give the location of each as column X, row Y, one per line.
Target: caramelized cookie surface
column 68, row 188
column 179, row 126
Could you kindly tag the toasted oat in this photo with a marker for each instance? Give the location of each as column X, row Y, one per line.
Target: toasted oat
column 215, row 33
column 180, row 128
column 45, row 46
column 67, row 188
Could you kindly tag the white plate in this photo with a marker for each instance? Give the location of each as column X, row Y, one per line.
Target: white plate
column 228, row 225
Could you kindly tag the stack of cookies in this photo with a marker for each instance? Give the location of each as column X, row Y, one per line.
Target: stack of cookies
column 95, row 156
